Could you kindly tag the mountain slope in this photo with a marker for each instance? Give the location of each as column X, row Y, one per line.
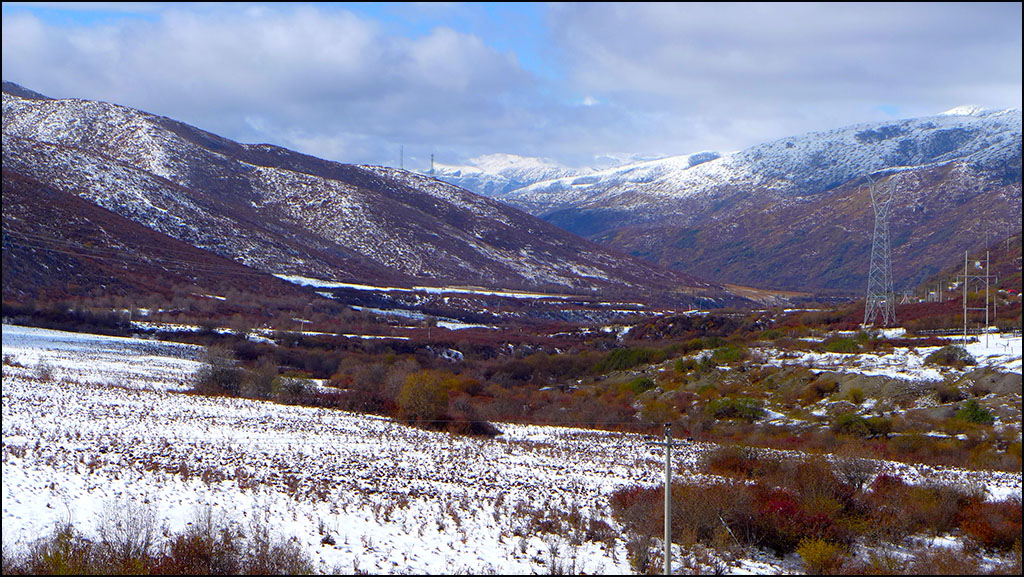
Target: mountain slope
column 795, row 213
column 287, row 213
column 85, row 249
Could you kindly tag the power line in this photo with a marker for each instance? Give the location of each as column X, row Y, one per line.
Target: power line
column 880, row 300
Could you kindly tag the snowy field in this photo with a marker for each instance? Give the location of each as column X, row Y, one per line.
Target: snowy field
column 999, row 352
column 93, row 421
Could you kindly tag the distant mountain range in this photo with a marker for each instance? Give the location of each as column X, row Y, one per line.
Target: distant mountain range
column 793, row 214
column 796, row 213
column 499, row 174
column 278, row 211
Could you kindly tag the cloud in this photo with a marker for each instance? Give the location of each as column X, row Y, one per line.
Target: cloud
column 750, row 68
column 307, row 75
column 571, row 81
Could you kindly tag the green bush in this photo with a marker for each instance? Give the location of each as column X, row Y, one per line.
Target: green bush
column 851, row 424
column 972, row 412
column 424, row 398
column 685, row 365
column 219, row 374
column 65, row 552
column 746, row 408
column 657, row 411
column 841, row 345
column 951, row 356
column 622, row 359
column 856, row 395
column 638, row 385
column 729, row 354
column 948, row 393
column 857, row 426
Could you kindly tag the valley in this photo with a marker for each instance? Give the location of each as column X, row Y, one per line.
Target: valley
column 289, row 364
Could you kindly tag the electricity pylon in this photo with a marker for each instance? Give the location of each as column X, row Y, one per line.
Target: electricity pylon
column 881, row 302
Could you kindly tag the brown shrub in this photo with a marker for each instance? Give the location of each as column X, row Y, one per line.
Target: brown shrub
column 65, row 552
column 699, row 512
column 993, row 525
column 741, row 462
column 943, row 561
column 208, row 547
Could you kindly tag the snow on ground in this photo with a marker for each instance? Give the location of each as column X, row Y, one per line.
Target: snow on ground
column 85, row 358
column 443, row 322
column 1001, row 352
column 320, row 283
column 90, row 422
column 395, row 498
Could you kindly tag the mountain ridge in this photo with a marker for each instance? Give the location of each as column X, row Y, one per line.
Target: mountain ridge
column 284, row 212
column 679, row 214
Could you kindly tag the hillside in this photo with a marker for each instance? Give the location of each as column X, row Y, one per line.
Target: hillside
column 795, row 213
column 286, row 213
column 85, row 249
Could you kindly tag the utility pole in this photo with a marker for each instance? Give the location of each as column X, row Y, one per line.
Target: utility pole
column 987, row 324
column 995, row 298
column 668, row 498
column 986, row 278
column 965, row 299
column 667, row 443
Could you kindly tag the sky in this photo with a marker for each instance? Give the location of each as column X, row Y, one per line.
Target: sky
column 583, row 85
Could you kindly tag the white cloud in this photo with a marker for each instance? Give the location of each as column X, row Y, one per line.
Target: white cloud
column 731, row 73
column 647, row 79
column 264, row 73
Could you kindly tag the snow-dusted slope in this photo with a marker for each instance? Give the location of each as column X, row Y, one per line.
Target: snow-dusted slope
column 800, row 165
column 794, row 202
column 288, row 213
column 497, row 174
column 681, row 173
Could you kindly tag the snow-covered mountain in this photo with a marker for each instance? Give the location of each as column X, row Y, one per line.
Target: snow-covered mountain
column 497, row 174
column 793, row 213
column 287, row 213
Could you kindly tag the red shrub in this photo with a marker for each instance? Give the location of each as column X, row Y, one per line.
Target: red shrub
column 782, row 522
column 992, row 525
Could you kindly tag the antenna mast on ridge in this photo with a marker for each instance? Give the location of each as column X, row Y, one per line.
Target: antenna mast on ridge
column 880, row 298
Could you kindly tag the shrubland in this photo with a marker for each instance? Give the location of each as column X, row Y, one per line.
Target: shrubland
column 822, row 509
column 710, row 375
column 127, row 543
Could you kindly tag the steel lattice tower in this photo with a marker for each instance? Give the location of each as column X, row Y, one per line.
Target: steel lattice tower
column 881, row 302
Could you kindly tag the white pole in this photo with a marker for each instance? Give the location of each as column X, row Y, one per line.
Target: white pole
column 668, row 498
column 965, row 299
column 987, row 278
